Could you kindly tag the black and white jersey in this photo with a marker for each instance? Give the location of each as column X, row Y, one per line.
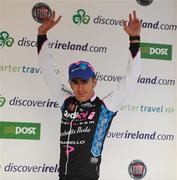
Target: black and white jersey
column 84, row 125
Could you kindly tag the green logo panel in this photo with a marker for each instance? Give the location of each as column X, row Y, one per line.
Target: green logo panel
column 20, row 130
column 156, row 51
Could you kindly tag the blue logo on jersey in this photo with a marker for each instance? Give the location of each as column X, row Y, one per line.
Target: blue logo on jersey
column 101, row 130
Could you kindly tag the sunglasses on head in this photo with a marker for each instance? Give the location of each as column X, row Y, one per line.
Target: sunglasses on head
column 80, row 64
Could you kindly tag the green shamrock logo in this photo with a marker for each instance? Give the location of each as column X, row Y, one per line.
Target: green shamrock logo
column 5, row 39
column 81, row 17
column 2, row 101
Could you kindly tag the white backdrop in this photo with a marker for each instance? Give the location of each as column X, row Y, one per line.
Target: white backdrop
column 24, row 97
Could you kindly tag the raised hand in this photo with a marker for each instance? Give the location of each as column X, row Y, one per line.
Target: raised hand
column 48, row 23
column 133, row 27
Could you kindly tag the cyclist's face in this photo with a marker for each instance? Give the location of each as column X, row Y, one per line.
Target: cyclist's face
column 83, row 90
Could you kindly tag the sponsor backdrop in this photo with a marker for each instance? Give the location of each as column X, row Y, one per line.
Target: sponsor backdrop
column 141, row 140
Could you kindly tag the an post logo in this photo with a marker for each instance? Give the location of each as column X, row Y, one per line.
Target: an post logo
column 2, row 101
column 5, row 39
column 20, row 130
column 156, row 51
column 81, row 17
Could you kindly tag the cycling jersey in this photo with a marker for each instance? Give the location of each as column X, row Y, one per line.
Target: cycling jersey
column 84, row 125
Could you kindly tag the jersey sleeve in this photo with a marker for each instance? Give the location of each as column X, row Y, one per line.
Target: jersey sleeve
column 57, row 89
column 122, row 90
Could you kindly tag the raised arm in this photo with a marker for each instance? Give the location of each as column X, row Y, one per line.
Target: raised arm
column 56, row 87
column 116, row 98
column 48, row 23
column 133, row 27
